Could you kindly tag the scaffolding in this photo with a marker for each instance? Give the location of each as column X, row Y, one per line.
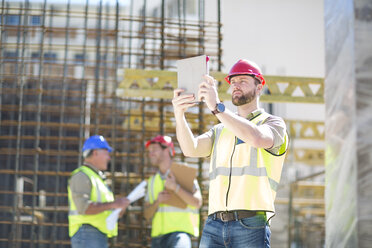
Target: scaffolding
column 60, row 66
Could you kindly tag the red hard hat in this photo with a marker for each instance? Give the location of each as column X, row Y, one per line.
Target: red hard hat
column 162, row 140
column 245, row 67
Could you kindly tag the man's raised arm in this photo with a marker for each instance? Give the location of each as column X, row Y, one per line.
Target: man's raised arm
column 191, row 146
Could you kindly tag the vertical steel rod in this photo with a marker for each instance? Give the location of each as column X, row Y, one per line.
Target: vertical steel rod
column 162, row 33
column 106, row 52
column 161, row 117
column 114, row 110
column 130, row 34
column 2, row 34
column 179, row 10
column 201, row 27
column 184, row 33
column 83, row 87
column 142, row 160
column 48, row 72
column 61, row 122
column 144, row 23
column 38, row 124
column 219, row 39
column 16, row 229
column 98, row 67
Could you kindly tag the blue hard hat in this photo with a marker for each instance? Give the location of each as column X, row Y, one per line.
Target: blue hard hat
column 96, row 142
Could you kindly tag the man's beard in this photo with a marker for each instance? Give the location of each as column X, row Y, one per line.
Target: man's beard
column 154, row 161
column 244, row 99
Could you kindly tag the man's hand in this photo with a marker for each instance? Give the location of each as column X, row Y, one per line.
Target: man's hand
column 208, row 92
column 122, row 202
column 182, row 102
column 98, row 207
column 170, row 182
column 163, row 196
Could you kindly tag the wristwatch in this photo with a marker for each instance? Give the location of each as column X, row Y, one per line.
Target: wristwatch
column 220, row 108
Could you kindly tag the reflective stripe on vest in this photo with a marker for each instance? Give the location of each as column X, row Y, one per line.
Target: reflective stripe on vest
column 168, row 209
column 241, row 176
column 99, row 193
column 168, row 219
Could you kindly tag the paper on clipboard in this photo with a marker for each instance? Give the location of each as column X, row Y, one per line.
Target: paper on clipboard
column 190, row 73
column 185, row 176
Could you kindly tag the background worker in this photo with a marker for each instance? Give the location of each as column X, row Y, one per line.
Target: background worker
column 247, row 153
column 90, row 199
column 171, row 226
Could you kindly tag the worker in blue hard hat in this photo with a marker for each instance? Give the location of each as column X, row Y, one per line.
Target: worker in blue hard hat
column 90, row 199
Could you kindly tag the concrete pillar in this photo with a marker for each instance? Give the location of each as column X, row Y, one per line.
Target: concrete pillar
column 348, row 101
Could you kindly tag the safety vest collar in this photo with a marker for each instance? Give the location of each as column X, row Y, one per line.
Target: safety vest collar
column 254, row 114
column 99, row 173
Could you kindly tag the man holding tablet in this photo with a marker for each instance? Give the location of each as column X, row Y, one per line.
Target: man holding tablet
column 246, row 153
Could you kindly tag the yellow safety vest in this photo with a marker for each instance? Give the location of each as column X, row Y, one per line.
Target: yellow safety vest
column 167, row 218
column 100, row 193
column 243, row 177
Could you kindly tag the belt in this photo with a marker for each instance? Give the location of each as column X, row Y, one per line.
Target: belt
column 234, row 215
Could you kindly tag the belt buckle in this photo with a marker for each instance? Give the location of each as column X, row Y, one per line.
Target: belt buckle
column 222, row 214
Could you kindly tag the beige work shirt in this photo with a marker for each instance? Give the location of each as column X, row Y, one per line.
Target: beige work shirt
column 81, row 186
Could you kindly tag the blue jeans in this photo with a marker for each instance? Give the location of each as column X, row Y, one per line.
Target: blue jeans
column 172, row 240
column 89, row 236
column 245, row 233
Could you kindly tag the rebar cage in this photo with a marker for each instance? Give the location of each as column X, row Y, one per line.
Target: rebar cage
column 60, row 67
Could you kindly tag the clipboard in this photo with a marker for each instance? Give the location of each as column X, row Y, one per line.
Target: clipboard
column 185, row 176
column 190, row 73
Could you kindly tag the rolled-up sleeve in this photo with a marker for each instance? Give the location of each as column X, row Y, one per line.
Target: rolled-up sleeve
column 278, row 128
column 81, row 188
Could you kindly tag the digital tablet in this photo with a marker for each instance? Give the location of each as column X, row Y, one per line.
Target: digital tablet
column 190, row 73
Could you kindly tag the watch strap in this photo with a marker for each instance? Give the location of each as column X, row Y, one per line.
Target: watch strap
column 215, row 111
